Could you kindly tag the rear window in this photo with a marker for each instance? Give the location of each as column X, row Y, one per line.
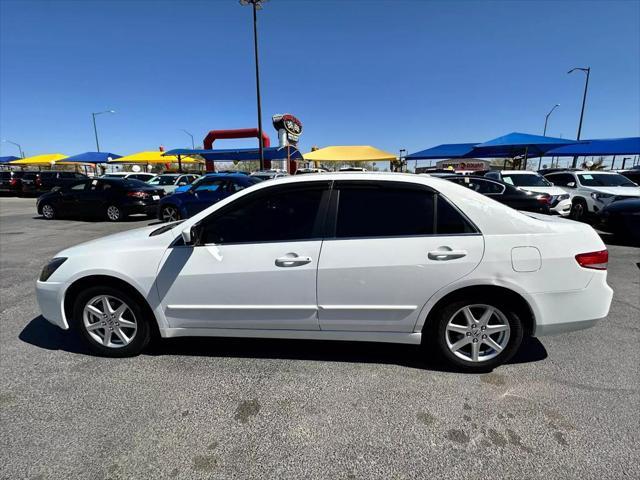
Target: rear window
column 133, row 183
column 5, row 175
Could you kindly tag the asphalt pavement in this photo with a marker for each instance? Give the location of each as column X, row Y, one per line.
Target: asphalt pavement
column 567, row 407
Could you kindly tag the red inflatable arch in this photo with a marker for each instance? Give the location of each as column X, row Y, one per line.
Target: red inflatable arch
column 214, row 135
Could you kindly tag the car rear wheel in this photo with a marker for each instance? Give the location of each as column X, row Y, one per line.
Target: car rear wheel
column 170, row 214
column 48, row 211
column 111, row 322
column 114, row 213
column 477, row 335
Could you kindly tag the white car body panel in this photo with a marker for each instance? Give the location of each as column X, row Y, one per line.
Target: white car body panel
column 368, row 289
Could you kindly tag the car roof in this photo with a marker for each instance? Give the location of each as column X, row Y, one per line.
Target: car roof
column 517, row 172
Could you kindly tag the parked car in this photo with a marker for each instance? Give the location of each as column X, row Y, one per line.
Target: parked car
column 204, row 192
column 504, row 193
column 302, row 171
column 591, row 191
column 143, row 177
column 633, row 175
column 170, row 181
column 352, row 169
column 622, row 218
column 559, row 203
column 269, row 174
column 45, row 181
column 360, row 257
column 110, row 198
column 11, row 181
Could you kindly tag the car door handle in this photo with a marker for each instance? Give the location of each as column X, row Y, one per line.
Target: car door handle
column 292, row 260
column 446, row 253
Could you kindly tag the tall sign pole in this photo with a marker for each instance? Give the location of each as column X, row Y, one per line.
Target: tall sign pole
column 257, row 5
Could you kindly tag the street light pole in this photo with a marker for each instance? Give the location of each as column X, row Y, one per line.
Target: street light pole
column 193, row 145
column 546, row 119
column 257, row 5
column 17, row 145
column 586, row 70
column 95, row 128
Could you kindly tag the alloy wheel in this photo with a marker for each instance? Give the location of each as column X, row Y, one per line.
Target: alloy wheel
column 109, row 321
column 477, row 333
column 47, row 211
column 170, row 214
column 113, row 213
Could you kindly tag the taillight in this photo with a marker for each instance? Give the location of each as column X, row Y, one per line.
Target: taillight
column 595, row 260
column 137, row 194
column 13, row 182
column 546, row 199
column 38, row 181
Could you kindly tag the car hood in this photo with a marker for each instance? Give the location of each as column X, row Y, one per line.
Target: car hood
column 550, row 190
column 129, row 240
column 623, row 191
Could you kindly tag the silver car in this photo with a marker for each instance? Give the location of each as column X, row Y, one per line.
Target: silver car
column 170, row 181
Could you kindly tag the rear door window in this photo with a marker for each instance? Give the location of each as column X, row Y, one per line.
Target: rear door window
column 372, row 209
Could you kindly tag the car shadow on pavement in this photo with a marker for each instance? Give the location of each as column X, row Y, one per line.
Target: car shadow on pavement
column 42, row 334
column 129, row 219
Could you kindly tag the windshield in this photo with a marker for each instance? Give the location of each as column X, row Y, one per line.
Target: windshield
column 525, row 180
column 604, row 180
column 163, row 180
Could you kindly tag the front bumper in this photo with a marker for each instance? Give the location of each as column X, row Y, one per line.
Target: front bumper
column 562, row 208
column 559, row 312
column 50, row 296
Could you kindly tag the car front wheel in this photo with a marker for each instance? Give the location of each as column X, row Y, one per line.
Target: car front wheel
column 170, row 214
column 477, row 335
column 48, row 211
column 111, row 322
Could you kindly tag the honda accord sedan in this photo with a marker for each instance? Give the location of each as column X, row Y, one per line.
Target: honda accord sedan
column 338, row 256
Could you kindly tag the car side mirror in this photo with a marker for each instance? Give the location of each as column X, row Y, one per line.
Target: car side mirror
column 192, row 236
column 571, row 184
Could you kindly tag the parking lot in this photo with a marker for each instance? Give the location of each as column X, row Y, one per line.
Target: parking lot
column 565, row 406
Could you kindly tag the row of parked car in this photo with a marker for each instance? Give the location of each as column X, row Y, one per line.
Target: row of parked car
column 612, row 199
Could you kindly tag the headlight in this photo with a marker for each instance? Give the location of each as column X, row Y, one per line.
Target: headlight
column 51, row 267
column 563, row 197
column 600, row 196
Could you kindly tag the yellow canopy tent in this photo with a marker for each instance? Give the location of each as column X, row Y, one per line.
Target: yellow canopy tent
column 349, row 153
column 152, row 157
column 46, row 159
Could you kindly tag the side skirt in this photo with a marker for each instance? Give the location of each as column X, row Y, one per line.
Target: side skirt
column 387, row 337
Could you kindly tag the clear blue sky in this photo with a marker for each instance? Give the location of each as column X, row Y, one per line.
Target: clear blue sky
column 394, row 74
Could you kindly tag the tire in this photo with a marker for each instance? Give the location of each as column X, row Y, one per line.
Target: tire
column 48, row 211
column 169, row 213
column 455, row 335
column 106, row 333
column 114, row 213
column 579, row 210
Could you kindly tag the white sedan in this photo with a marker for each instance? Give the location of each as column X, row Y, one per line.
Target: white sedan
column 338, row 256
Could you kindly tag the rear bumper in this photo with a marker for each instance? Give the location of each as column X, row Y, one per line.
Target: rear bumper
column 141, row 207
column 50, row 300
column 559, row 312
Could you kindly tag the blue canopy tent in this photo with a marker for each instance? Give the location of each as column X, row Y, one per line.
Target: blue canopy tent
column 446, row 150
column 92, row 157
column 10, row 158
column 517, row 144
column 602, row 147
column 240, row 154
